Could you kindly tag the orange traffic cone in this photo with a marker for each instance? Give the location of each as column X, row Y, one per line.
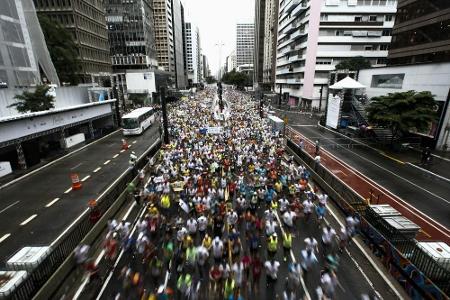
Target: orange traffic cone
column 76, row 183
column 125, row 145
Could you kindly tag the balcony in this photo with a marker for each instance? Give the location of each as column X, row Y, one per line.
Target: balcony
column 346, row 23
column 291, row 5
column 290, row 28
column 299, row 9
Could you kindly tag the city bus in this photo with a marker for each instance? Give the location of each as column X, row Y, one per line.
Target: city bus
column 138, row 120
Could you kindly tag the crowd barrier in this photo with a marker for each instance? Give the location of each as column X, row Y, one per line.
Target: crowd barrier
column 72, row 238
column 419, row 275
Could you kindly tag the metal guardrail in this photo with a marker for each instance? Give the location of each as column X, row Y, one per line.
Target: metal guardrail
column 419, row 274
column 65, row 246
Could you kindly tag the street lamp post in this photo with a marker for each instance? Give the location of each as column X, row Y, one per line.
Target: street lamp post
column 279, row 99
column 164, row 115
column 320, row 101
column 220, row 44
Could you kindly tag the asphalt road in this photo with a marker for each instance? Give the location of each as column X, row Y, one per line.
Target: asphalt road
column 38, row 208
column 428, row 194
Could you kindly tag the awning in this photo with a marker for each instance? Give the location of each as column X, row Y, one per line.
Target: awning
column 347, row 83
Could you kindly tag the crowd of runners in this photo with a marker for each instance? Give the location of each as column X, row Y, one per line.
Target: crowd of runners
column 224, row 205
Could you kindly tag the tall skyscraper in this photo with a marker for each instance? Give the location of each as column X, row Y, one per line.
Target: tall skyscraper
column 314, row 36
column 165, row 45
column 193, row 54
column 421, row 32
column 131, row 34
column 205, row 66
column 178, row 24
column 85, row 20
column 245, row 40
column 23, row 52
column 258, row 59
column 231, row 62
column 270, row 42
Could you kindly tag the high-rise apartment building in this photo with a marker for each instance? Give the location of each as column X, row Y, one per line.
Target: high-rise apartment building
column 131, row 34
column 245, row 40
column 270, row 42
column 421, row 32
column 205, row 66
column 85, row 20
column 193, row 54
column 23, row 52
column 258, row 59
column 314, row 36
column 168, row 16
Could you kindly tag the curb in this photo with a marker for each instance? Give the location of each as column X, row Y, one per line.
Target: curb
column 378, row 151
column 55, row 161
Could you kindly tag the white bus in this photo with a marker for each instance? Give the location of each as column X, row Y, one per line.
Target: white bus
column 138, row 120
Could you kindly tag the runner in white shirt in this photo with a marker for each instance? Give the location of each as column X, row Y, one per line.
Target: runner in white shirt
column 272, row 270
column 311, row 244
column 181, row 233
column 192, row 226
column 202, row 222
column 284, row 204
column 271, row 227
column 217, row 248
column 307, row 208
column 323, row 199
column 269, row 214
column 238, row 272
column 328, row 238
column 232, row 217
column 288, row 218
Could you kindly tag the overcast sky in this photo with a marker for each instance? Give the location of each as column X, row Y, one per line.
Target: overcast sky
column 216, row 20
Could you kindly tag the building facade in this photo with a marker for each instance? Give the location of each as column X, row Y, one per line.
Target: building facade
column 231, row 62
column 193, row 54
column 205, row 66
column 23, row 52
column 258, row 58
column 270, row 42
column 85, row 20
column 421, row 32
column 314, row 36
column 178, row 24
column 245, row 40
column 165, row 46
column 131, row 34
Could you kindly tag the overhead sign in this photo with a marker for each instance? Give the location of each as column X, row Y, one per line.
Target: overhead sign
column 333, row 111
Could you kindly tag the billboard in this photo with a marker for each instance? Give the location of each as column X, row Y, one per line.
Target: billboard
column 333, row 111
column 141, row 82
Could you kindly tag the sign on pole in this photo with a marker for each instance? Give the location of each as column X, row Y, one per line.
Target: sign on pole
column 333, row 111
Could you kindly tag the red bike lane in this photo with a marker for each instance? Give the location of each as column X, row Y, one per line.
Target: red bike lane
column 430, row 229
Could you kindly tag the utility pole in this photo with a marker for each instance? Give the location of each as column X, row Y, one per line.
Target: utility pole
column 320, row 101
column 220, row 44
column 164, row 115
column 279, row 100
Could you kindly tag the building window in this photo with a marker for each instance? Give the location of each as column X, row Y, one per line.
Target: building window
column 388, row 81
column 384, row 47
column 387, row 32
column 388, row 18
column 372, row 18
column 358, row 19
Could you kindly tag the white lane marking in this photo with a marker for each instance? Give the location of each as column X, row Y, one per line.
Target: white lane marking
column 28, row 220
column 68, row 191
column 129, row 211
column 134, row 142
column 122, row 151
column 85, row 178
column 305, row 125
column 9, row 206
column 308, row 296
column 52, row 202
column 115, row 155
column 107, row 162
column 5, row 237
column 429, row 172
column 74, row 167
column 419, row 214
column 129, row 146
column 98, row 169
column 86, row 280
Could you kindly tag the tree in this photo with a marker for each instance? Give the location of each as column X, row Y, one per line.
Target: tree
column 38, row 100
column 354, row 64
column 210, row 80
column 63, row 50
column 403, row 112
column 238, row 79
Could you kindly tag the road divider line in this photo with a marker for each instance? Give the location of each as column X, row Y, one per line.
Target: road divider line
column 134, row 142
column 76, row 166
column 68, row 190
column 85, row 178
column 107, row 162
column 122, row 151
column 5, row 237
column 52, row 202
column 98, row 169
column 28, row 220
column 9, row 206
column 115, row 156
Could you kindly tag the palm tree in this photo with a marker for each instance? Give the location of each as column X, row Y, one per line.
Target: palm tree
column 403, row 112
